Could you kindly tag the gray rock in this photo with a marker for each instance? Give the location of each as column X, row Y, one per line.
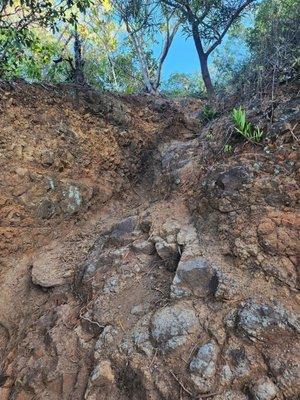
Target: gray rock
column 261, row 321
column 102, row 374
column 123, row 232
column 171, row 228
column 171, row 326
column 177, row 154
column 72, row 198
column 145, row 225
column 233, row 179
column 231, row 395
column 46, row 209
column 47, row 158
column 143, row 246
column 194, row 277
column 226, row 287
column 187, row 235
column 93, row 260
column 285, row 115
column 264, row 389
column 168, row 252
column 204, row 365
column 140, row 309
column 225, row 375
column 111, row 285
column 141, row 336
column 100, row 257
column 107, row 337
column 284, row 365
column 226, row 191
column 240, row 364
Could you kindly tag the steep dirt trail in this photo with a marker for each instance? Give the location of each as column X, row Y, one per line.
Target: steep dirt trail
column 134, row 268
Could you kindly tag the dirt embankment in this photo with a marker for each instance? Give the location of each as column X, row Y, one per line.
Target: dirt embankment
column 137, row 260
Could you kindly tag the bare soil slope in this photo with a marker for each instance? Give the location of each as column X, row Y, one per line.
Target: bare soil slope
column 137, row 260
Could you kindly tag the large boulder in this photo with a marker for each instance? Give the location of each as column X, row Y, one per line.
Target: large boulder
column 172, row 325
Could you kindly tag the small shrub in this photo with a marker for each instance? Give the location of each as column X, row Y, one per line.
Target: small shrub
column 208, row 114
column 228, row 148
column 209, row 136
column 245, row 128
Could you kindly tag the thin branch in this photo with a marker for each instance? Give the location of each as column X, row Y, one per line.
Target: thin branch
column 228, row 25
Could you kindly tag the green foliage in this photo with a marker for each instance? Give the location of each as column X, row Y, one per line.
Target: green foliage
column 228, row 148
column 23, row 13
column 183, row 85
column 245, row 128
column 34, row 64
column 273, row 48
column 35, row 34
column 207, row 22
column 20, row 45
column 274, row 39
column 39, row 54
column 209, row 136
column 208, row 113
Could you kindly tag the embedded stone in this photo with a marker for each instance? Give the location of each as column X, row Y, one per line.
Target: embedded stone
column 48, row 271
column 172, row 325
column 261, row 321
column 102, row 374
column 194, row 276
column 143, row 246
column 264, row 389
column 204, row 366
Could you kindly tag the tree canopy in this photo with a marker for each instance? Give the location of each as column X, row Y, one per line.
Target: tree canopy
column 123, row 45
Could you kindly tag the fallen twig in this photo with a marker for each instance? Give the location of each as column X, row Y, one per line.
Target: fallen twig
column 153, row 358
column 181, row 384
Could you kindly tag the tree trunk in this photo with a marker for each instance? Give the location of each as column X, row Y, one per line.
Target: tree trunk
column 168, row 42
column 203, row 62
column 112, row 66
column 206, row 76
column 78, row 72
column 143, row 64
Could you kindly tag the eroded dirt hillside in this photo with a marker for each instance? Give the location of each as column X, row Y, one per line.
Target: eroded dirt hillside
column 138, row 261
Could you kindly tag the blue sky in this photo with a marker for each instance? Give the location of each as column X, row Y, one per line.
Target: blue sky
column 182, row 57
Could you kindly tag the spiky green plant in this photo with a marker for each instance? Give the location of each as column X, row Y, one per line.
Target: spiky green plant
column 245, row 128
column 208, row 113
column 228, row 148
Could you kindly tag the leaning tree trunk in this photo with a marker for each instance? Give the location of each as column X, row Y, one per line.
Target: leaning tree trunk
column 78, row 71
column 168, row 42
column 203, row 62
column 143, row 64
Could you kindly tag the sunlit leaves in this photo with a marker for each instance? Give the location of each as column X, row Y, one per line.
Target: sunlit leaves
column 107, row 5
